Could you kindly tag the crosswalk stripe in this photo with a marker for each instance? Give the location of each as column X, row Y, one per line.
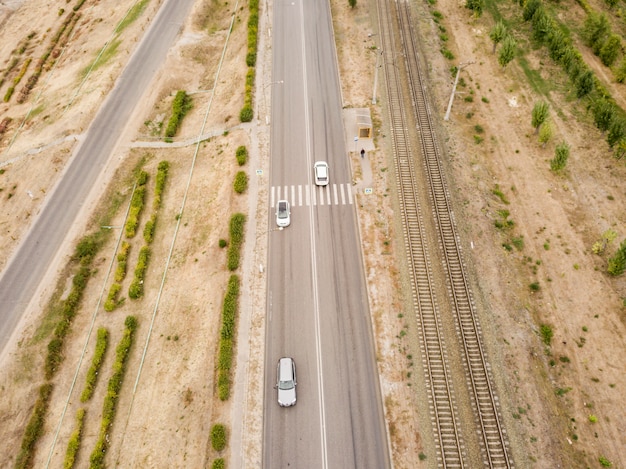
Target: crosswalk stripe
column 339, row 194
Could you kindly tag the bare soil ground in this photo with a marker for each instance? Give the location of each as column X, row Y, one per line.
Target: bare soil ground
column 168, row 402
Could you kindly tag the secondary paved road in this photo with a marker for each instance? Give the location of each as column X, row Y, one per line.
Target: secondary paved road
column 25, row 270
column 317, row 308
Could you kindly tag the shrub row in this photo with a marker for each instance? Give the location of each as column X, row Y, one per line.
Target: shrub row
column 115, row 385
column 84, row 255
column 73, row 445
column 112, row 300
column 227, row 334
column 136, row 205
column 159, row 187
column 136, row 287
column 34, row 428
column 34, row 78
column 85, row 252
column 246, row 114
column 17, row 80
column 237, row 223
column 102, row 343
column 181, row 105
column 242, row 155
column 253, row 31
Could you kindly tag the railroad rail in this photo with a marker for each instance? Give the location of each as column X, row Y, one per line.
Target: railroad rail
column 443, row 408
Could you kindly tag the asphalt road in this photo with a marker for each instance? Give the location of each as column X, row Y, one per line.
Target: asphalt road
column 317, row 309
column 24, row 272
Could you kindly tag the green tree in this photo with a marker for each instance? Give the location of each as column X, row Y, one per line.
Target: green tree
column 476, row 6
column 595, row 31
column 507, row 51
column 542, row 24
column 352, row 3
column 611, row 3
column 617, row 131
column 497, row 34
column 530, row 8
column 545, row 133
column 540, row 113
column 603, row 113
column 617, row 263
column 561, row 154
column 610, row 50
column 620, row 71
column 558, row 44
column 584, row 84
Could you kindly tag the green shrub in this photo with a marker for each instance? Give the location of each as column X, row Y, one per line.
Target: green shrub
column 111, row 302
column 219, row 463
column 122, row 256
column 136, row 206
column 246, row 114
column 180, row 107
column 34, row 428
column 223, row 385
column 148, row 230
column 136, row 287
column 546, row 334
column 223, row 243
column 242, row 155
column 241, row 182
column 73, row 445
column 102, row 344
column 218, row 437
column 617, row 263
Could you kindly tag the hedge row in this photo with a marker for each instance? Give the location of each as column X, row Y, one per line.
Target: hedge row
column 253, row 32
column 227, row 334
column 136, row 287
column 181, row 105
column 73, row 445
column 67, row 25
column 34, row 428
column 115, row 385
column 136, row 205
column 246, row 114
column 237, row 223
column 112, row 300
column 102, row 344
column 17, row 80
column 159, row 187
column 84, row 255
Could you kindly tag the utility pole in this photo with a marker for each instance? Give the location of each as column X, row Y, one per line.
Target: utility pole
column 456, row 80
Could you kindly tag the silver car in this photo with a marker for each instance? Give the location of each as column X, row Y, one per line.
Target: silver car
column 320, row 168
column 286, row 382
column 283, row 213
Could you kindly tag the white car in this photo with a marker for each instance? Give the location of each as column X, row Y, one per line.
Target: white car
column 286, row 382
column 283, row 213
column 320, row 168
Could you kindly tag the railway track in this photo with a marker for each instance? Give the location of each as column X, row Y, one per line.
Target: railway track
column 442, row 402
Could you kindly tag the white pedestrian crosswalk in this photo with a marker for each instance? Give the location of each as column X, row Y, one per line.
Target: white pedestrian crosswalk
column 307, row 195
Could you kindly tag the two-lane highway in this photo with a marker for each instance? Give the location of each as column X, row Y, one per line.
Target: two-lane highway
column 317, row 310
